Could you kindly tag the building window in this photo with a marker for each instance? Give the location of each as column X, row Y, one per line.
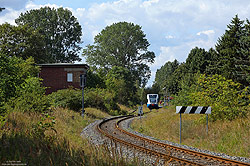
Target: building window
column 69, row 77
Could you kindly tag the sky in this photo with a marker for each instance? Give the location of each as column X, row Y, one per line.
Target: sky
column 172, row 27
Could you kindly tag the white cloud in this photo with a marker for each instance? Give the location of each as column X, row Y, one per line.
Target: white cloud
column 9, row 16
column 161, row 20
column 207, row 32
column 149, row 3
column 169, row 37
column 30, row 5
column 170, row 53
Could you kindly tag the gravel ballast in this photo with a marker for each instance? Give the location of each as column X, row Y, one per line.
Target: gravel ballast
column 90, row 132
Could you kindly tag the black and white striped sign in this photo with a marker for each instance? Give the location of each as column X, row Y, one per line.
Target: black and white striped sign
column 193, row 110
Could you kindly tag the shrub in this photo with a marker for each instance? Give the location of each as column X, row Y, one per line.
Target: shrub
column 93, row 97
column 67, row 98
column 13, row 73
column 227, row 99
column 30, row 97
column 101, row 99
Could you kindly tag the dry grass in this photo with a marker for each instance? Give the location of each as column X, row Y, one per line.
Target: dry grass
column 19, row 142
column 230, row 137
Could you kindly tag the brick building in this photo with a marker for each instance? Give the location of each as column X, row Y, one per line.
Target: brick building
column 61, row 75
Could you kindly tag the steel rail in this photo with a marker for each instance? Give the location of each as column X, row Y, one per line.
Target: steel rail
column 143, row 149
column 195, row 153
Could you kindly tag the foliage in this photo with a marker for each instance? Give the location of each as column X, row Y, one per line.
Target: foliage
column 119, row 82
column 197, row 61
column 93, row 97
column 165, row 77
column 30, row 97
column 67, row 98
column 243, row 62
column 101, row 99
column 173, row 76
column 233, row 57
column 228, row 67
column 121, row 44
column 13, row 73
column 22, row 41
column 94, row 79
column 183, row 97
column 227, row 99
column 46, row 123
column 61, row 30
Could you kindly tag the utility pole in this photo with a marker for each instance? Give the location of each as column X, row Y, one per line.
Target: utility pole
column 82, row 85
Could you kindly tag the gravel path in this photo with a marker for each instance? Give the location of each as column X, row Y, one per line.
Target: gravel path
column 96, row 138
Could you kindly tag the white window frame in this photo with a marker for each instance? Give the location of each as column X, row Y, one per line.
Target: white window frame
column 69, row 77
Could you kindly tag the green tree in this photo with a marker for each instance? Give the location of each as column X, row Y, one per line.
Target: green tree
column 121, row 44
column 61, row 29
column 181, row 79
column 197, row 60
column 227, row 99
column 227, row 48
column 94, row 79
column 30, row 97
column 22, row 41
column 212, row 67
column 164, row 77
column 118, row 80
column 13, row 72
column 243, row 61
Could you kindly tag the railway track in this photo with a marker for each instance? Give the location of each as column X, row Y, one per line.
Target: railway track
column 171, row 155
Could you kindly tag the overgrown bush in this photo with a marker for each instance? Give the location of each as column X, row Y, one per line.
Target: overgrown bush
column 227, row 99
column 47, row 122
column 183, row 98
column 67, row 98
column 30, row 97
column 13, row 72
column 101, row 99
column 93, row 97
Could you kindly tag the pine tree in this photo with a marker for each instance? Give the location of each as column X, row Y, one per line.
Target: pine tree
column 228, row 50
column 243, row 62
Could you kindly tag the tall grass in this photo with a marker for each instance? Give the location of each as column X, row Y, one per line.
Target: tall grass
column 61, row 144
column 230, row 137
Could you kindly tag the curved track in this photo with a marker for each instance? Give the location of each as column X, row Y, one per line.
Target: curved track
column 170, row 154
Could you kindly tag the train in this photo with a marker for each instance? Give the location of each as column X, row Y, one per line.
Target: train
column 152, row 101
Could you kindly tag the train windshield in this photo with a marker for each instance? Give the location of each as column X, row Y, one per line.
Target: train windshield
column 153, row 98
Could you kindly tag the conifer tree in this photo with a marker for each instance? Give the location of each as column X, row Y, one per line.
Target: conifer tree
column 228, row 50
column 243, row 62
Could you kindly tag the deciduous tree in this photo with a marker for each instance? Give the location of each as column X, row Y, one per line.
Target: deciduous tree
column 119, row 81
column 22, row 41
column 122, row 44
column 61, row 29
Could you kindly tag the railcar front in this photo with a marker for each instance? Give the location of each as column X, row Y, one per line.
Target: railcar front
column 152, row 101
